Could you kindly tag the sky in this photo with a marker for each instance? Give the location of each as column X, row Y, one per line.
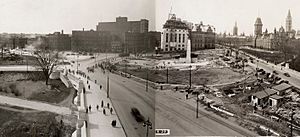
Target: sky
column 48, row 16
column 222, row 14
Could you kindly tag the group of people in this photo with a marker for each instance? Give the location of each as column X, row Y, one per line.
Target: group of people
column 89, row 109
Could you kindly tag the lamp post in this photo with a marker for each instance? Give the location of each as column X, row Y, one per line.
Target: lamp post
column 167, row 75
column 148, row 126
column 197, row 105
column 147, row 80
column 107, row 89
column 190, row 76
column 292, row 115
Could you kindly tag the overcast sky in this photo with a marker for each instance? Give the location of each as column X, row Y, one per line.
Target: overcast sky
column 47, row 16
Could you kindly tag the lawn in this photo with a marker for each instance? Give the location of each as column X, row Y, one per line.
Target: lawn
column 18, row 60
column 32, row 86
column 199, row 77
column 41, row 124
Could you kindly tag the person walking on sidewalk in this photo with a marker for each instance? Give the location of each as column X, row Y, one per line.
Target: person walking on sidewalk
column 111, row 110
column 86, row 110
column 104, row 111
column 102, row 104
column 107, row 105
column 97, row 107
column 90, row 108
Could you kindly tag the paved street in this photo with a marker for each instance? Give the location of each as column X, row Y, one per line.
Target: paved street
column 35, row 105
column 169, row 112
column 173, row 111
column 294, row 80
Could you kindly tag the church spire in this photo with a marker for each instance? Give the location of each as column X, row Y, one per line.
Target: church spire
column 288, row 22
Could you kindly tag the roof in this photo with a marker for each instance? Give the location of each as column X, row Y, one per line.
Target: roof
column 276, row 97
column 282, row 86
column 258, row 20
column 265, row 93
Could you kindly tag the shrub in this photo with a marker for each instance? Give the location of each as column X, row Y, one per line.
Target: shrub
column 12, row 86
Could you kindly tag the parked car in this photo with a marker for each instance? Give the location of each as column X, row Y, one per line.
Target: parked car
column 137, row 115
column 287, row 74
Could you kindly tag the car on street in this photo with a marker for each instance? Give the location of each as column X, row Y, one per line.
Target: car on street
column 137, row 115
column 287, row 74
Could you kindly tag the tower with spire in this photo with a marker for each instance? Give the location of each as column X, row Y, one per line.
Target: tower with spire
column 258, row 27
column 235, row 30
column 288, row 22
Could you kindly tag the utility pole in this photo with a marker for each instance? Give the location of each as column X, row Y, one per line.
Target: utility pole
column 147, row 81
column 167, row 75
column 190, row 76
column 197, row 105
column 107, row 85
column 148, row 126
column 292, row 115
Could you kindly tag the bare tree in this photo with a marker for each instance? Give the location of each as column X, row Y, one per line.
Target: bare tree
column 47, row 61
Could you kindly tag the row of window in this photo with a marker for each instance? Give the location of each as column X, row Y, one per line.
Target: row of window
column 173, row 49
column 178, row 45
column 173, row 37
column 176, row 30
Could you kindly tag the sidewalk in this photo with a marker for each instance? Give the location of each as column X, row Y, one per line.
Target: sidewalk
column 35, row 105
column 99, row 125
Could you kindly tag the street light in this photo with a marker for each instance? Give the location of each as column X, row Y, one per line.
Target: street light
column 197, row 105
column 148, row 126
column 292, row 115
column 147, row 80
column 107, row 84
column 190, row 76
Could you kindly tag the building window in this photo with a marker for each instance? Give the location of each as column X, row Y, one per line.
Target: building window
column 171, row 37
column 167, row 37
column 179, row 49
column 183, row 37
column 166, row 46
column 175, row 37
column 166, row 49
column 179, row 38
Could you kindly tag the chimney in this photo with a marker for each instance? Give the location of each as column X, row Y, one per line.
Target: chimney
column 62, row 31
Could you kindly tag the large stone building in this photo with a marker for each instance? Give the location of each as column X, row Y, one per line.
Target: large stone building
column 141, row 42
column 59, row 41
column 122, row 25
column 203, row 37
column 175, row 35
column 92, row 41
column 284, row 38
column 120, row 36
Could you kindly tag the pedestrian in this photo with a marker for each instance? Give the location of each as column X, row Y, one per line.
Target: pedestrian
column 107, row 105
column 104, row 111
column 87, row 82
column 186, row 96
column 89, row 87
column 111, row 110
column 97, row 107
column 95, row 81
column 86, row 110
column 102, row 103
column 100, row 86
column 86, row 123
column 90, row 108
